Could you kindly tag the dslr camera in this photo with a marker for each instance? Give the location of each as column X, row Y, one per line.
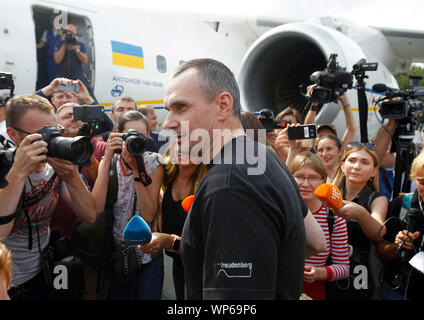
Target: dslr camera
column 78, row 150
column 134, row 141
column 266, row 117
column 331, row 82
column 69, row 38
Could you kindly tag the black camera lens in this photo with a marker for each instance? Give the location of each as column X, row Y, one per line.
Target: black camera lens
column 135, row 145
column 77, row 150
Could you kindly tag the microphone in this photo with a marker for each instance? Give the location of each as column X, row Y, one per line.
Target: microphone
column 187, row 203
column 380, row 87
column 389, row 92
column 330, row 195
column 137, row 231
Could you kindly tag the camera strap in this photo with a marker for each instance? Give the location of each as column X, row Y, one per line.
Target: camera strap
column 25, row 204
column 142, row 172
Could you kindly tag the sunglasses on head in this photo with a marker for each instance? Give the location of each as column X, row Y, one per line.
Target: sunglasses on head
column 367, row 145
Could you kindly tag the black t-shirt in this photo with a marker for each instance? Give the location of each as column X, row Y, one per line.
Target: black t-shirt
column 244, row 237
column 173, row 215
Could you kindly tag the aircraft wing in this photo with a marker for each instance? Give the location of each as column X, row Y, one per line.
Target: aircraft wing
column 407, row 44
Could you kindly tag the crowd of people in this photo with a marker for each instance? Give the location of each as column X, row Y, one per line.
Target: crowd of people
column 255, row 230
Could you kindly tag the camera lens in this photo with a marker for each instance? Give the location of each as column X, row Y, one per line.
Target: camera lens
column 81, row 150
column 135, row 145
column 77, row 150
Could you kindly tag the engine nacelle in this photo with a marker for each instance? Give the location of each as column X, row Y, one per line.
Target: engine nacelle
column 282, row 60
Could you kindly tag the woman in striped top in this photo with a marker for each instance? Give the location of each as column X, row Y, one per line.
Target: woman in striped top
column 309, row 171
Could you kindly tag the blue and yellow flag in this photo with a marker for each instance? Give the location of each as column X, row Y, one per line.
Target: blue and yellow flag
column 127, row 55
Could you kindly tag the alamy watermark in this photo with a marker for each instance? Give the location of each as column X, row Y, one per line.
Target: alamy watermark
column 201, row 146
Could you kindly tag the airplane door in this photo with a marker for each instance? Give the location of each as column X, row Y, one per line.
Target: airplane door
column 17, row 53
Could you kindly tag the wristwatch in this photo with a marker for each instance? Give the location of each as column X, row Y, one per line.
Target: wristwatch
column 176, row 244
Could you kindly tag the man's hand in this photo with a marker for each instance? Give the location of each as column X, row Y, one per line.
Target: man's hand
column 72, row 47
column 83, row 95
column 29, row 155
column 66, row 170
column 53, row 86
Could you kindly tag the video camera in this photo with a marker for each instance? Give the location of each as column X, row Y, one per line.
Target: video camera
column 331, row 83
column 69, row 38
column 266, row 117
column 402, row 105
column 78, row 150
column 6, row 83
column 402, row 108
column 134, row 141
column 92, row 116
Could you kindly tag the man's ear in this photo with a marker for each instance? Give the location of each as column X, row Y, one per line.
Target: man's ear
column 225, row 105
column 13, row 134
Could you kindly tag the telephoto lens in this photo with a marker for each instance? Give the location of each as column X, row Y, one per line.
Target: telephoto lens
column 77, row 150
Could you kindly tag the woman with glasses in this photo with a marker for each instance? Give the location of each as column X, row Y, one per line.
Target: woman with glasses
column 309, row 171
column 365, row 210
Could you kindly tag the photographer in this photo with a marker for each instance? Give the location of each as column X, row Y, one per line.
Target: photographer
column 132, row 197
column 63, row 217
column 404, row 239
column 35, row 182
column 70, row 54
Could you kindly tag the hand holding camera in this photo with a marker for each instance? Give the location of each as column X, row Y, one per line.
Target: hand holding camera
column 31, row 152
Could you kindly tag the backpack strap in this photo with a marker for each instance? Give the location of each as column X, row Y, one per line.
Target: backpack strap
column 112, row 190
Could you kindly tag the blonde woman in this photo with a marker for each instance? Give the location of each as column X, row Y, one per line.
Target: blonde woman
column 5, row 271
column 365, row 210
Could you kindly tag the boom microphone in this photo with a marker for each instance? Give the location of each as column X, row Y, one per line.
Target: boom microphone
column 137, row 231
column 330, row 195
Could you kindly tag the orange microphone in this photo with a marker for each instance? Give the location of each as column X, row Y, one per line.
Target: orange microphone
column 330, row 195
column 187, row 202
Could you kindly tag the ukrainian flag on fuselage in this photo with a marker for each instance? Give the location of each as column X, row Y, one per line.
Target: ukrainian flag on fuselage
column 127, row 55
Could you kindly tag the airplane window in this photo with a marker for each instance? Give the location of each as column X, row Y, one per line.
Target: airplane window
column 161, row 63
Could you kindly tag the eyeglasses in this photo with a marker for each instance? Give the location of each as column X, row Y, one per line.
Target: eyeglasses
column 311, row 179
column 59, row 127
column 367, row 145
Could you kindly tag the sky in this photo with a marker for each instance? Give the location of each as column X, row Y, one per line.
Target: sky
column 402, row 14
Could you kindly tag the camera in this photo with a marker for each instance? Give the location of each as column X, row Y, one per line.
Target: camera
column 69, row 38
column 6, row 162
column 402, row 105
column 77, row 150
column 6, row 83
column 331, row 83
column 266, row 117
column 362, row 66
column 92, row 116
column 134, row 141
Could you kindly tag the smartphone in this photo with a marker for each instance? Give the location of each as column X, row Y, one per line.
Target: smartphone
column 69, row 87
column 306, row 131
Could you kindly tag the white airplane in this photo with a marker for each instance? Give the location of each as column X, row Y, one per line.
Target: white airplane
column 133, row 51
